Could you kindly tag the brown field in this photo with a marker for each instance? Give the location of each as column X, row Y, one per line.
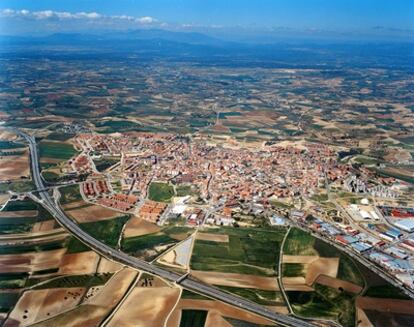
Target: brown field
column 337, row 283
column 50, row 160
column 31, row 261
column 299, row 258
column 79, row 263
column 92, row 213
column 114, row 289
column 314, row 267
column 236, row 280
column 43, row 226
column 93, row 311
column 74, row 205
column 325, row 266
column 14, row 167
column 38, row 305
column 385, row 305
column 6, row 134
column 137, row 227
column 147, row 306
column 224, row 238
column 214, row 319
column 363, row 319
column 222, row 309
column 295, row 284
column 18, row 214
column 105, row 265
column 4, row 198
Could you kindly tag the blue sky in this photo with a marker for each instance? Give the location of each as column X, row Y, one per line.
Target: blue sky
column 372, row 17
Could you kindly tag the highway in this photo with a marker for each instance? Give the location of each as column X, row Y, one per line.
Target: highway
column 127, row 260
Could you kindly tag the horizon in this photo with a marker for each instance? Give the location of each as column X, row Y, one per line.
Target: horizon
column 236, row 21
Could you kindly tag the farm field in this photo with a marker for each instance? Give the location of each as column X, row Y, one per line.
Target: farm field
column 326, row 303
column 137, row 226
column 146, row 305
column 38, row 305
column 320, row 281
column 216, row 312
column 87, row 213
column 249, row 251
column 150, row 246
column 15, row 167
column 107, row 231
column 99, row 302
column 193, row 318
column 160, row 192
column 24, row 261
column 236, row 280
column 21, row 217
column 56, row 150
column 69, row 194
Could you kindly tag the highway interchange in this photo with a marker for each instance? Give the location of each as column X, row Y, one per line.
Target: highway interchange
column 127, row 260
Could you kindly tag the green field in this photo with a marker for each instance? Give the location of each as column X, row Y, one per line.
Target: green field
column 280, row 204
column 56, row 150
column 77, row 281
column 21, row 205
column 14, row 225
column 320, row 197
column 184, row 190
column 348, row 270
column 386, row 291
column 186, row 294
column 193, row 318
column 8, row 145
column 76, row 246
column 23, row 186
column 18, row 249
column 262, row 297
column 105, row 163
column 8, row 300
column 161, row 192
column 325, row 302
column 145, row 246
column 56, row 136
column 69, row 194
column 249, row 251
column 299, row 242
column 50, row 176
column 293, row 270
column 12, row 280
column 106, row 231
column 241, row 323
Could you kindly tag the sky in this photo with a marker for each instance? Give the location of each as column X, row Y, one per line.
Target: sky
column 370, row 18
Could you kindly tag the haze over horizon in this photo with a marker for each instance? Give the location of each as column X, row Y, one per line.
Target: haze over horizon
column 235, row 20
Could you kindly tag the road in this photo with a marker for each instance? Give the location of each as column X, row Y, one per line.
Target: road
column 123, row 258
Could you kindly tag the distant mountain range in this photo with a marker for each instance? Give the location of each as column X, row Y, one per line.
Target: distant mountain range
column 158, row 43
column 132, row 35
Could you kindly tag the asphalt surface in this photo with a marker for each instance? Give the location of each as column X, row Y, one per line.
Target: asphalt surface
column 136, row 263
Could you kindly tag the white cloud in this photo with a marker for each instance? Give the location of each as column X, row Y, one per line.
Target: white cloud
column 64, row 15
column 146, row 20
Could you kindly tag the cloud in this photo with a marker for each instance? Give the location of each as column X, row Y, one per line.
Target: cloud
column 66, row 16
column 146, row 20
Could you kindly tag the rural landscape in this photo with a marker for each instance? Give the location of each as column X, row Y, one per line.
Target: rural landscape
column 163, row 178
